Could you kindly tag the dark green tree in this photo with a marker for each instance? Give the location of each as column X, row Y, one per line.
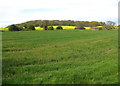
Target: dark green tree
column 31, row 27
column 14, row 28
column 41, row 25
column 45, row 24
column 51, row 28
column 59, row 28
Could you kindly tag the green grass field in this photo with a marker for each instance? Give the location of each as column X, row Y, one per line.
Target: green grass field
column 60, row 57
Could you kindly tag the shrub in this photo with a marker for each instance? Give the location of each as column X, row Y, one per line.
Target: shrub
column 41, row 25
column 50, row 28
column 108, row 27
column 25, row 26
column 80, row 25
column 95, row 28
column 82, row 28
column 14, row 28
column 45, row 27
column 25, row 29
column 31, row 27
column 46, row 24
column 59, row 28
column 100, row 28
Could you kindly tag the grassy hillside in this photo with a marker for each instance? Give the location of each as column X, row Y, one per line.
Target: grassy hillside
column 60, row 57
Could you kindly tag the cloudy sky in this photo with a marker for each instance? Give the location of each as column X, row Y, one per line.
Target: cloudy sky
column 18, row 11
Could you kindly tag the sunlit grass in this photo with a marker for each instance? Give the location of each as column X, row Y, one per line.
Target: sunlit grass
column 60, row 57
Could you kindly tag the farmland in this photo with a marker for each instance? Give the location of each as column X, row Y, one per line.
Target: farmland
column 60, row 57
column 64, row 27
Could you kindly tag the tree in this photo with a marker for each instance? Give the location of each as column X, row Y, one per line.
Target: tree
column 41, row 25
column 59, row 28
column 110, row 23
column 80, row 25
column 45, row 24
column 31, row 27
column 25, row 26
column 14, row 28
column 108, row 27
column 51, row 28
column 101, row 23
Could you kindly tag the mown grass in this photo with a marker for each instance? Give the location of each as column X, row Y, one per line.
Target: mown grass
column 60, row 57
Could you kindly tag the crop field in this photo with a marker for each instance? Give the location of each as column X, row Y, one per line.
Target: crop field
column 60, row 57
column 64, row 27
column 4, row 29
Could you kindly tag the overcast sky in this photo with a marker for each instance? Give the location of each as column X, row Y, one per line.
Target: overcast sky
column 18, row 11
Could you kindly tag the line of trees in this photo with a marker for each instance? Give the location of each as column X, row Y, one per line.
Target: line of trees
column 19, row 28
column 41, row 23
column 30, row 25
